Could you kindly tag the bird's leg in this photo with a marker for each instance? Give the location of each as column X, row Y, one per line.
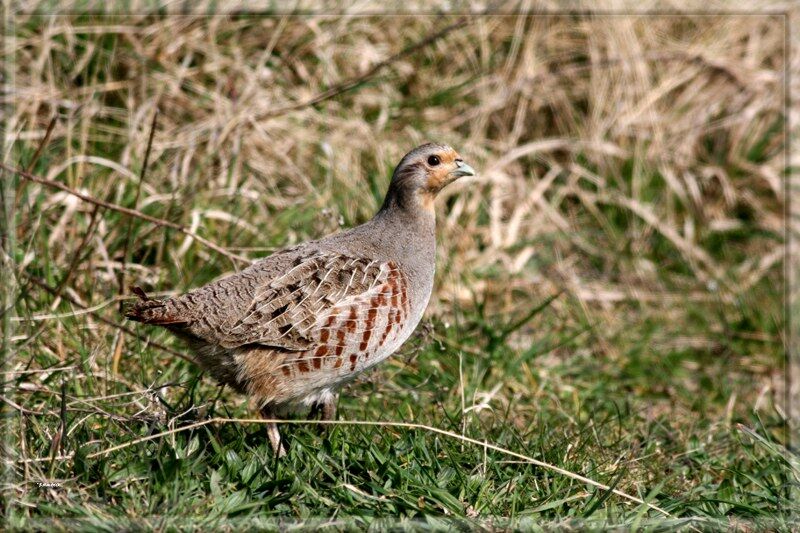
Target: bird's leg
column 329, row 407
column 326, row 410
column 267, row 413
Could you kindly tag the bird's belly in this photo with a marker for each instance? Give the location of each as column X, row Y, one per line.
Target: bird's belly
column 387, row 349
column 299, row 377
column 354, row 361
column 391, row 339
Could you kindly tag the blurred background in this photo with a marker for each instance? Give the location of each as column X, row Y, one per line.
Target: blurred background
column 611, row 281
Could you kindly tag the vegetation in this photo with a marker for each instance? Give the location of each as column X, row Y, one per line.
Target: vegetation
column 609, row 295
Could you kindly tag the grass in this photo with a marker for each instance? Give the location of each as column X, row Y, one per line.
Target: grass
column 609, row 295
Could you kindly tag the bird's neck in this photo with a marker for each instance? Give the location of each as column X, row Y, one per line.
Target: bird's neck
column 409, row 203
column 408, row 213
column 408, row 229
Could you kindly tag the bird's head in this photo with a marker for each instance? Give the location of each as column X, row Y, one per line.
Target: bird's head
column 422, row 173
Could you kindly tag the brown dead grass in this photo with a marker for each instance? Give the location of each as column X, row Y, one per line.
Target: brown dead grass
column 550, row 109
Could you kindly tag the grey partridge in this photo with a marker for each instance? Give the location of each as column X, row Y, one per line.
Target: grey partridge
column 294, row 327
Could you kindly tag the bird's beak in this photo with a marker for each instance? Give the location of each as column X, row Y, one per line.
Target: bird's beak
column 462, row 169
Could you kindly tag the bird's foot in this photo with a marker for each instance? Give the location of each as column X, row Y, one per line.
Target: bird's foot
column 273, row 433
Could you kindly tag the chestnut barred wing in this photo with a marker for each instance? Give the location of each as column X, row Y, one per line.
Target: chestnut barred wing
column 299, row 310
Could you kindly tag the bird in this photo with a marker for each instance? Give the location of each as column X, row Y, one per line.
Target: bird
column 294, row 327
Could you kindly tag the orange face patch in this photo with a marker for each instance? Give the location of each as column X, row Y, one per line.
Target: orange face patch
column 438, row 176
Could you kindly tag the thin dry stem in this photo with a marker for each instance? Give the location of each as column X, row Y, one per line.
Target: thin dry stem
column 125, row 210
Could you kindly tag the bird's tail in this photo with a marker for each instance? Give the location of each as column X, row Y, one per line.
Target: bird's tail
column 150, row 311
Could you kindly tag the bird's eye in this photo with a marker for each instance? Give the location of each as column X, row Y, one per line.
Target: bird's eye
column 433, row 161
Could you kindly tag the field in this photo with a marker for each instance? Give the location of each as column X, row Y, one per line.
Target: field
column 605, row 346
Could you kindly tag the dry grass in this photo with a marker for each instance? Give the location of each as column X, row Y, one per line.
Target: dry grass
column 634, row 162
column 688, row 102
